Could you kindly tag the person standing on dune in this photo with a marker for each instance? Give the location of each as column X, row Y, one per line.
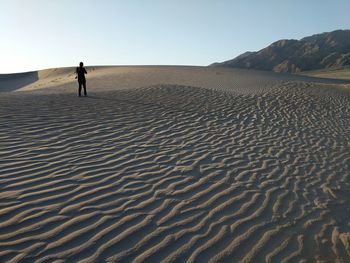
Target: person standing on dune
column 81, row 71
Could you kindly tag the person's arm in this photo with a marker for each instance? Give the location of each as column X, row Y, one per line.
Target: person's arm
column 85, row 71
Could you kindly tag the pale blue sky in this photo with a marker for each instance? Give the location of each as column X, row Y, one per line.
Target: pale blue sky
column 37, row 34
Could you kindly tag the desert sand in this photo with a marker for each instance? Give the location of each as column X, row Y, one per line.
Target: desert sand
column 341, row 73
column 174, row 164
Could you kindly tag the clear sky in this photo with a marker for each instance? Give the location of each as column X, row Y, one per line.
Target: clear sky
column 37, row 34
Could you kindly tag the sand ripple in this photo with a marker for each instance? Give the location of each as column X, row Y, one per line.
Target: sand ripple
column 176, row 174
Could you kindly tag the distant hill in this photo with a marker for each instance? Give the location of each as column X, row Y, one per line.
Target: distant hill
column 322, row 51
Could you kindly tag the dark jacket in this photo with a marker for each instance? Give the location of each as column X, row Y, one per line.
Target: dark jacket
column 81, row 71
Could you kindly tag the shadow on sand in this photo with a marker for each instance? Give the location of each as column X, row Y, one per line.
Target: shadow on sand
column 12, row 82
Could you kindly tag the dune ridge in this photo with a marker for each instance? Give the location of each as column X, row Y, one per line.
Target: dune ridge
column 242, row 167
column 104, row 78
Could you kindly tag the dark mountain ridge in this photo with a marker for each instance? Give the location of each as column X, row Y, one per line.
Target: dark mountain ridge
column 321, row 51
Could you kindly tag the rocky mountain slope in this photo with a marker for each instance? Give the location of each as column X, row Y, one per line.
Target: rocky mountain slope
column 321, row 51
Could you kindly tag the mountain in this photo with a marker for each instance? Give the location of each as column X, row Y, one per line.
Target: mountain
column 321, row 51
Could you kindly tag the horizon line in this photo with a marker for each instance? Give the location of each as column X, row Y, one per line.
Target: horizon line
column 106, row 65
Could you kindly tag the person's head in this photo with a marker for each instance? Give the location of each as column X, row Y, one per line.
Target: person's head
column 81, row 64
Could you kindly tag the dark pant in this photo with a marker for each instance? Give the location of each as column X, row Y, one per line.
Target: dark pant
column 82, row 83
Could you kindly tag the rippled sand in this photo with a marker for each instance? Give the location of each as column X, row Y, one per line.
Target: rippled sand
column 174, row 164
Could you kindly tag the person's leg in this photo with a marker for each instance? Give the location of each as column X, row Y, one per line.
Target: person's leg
column 79, row 90
column 84, row 85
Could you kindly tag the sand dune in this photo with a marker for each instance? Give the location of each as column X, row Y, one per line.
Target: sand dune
column 62, row 80
column 343, row 73
column 174, row 164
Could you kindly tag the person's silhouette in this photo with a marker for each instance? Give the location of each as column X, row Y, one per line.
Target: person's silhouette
column 81, row 71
